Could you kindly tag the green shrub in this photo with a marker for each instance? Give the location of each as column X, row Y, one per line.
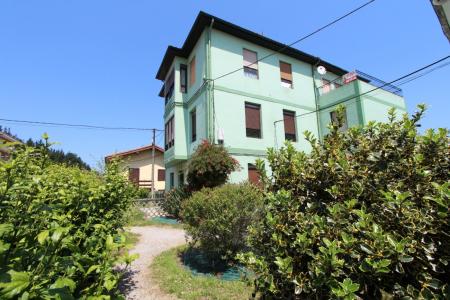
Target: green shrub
column 210, row 166
column 365, row 214
column 217, row 219
column 173, row 201
column 141, row 193
column 59, row 228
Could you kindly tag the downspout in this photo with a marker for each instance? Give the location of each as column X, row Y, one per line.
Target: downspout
column 209, row 98
column 316, row 99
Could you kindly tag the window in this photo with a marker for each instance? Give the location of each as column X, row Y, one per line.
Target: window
column 286, row 74
column 193, row 125
column 289, row 125
column 133, row 176
column 253, row 120
column 334, row 119
column 253, row 175
column 161, row 175
column 172, row 180
column 169, row 131
column 168, row 86
column 192, row 72
column 326, row 86
column 250, row 64
column 183, row 78
column 180, row 179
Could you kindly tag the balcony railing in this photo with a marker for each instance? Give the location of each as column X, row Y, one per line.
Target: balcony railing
column 358, row 75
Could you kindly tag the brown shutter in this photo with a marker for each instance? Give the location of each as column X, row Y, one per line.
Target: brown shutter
column 250, row 59
column 133, row 175
column 183, row 78
column 173, row 130
column 192, row 72
column 161, row 175
column 168, row 84
column 253, row 175
column 252, row 116
column 289, row 122
column 286, row 71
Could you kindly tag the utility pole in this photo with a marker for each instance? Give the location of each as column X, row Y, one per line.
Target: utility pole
column 153, row 163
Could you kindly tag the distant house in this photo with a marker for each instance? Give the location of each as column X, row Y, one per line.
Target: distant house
column 137, row 163
column 5, row 151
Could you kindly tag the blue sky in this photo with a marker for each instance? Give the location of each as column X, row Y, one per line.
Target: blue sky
column 95, row 62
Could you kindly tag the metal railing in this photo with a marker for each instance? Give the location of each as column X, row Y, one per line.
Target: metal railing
column 359, row 75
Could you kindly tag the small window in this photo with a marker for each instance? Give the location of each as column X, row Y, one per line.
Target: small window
column 250, row 64
column 183, row 78
column 192, row 72
column 334, row 119
column 169, row 133
column 286, row 74
column 289, row 125
column 326, row 86
column 168, row 86
column 161, row 175
column 253, row 175
column 172, row 180
column 253, row 120
column 193, row 125
column 180, row 179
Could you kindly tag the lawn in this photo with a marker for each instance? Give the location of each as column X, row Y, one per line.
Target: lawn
column 174, row 278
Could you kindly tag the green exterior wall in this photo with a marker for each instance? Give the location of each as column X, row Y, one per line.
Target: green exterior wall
column 221, row 106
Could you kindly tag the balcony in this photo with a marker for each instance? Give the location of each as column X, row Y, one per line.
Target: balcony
column 354, row 84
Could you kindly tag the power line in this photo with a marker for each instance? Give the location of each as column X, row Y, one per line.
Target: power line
column 382, row 86
column 301, row 39
column 85, row 126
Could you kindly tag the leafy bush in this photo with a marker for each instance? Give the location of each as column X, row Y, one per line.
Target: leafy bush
column 141, row 193
column 210, row 166
column 59, row 228
column 174, row 200
column 217, row 219
column 365, row 214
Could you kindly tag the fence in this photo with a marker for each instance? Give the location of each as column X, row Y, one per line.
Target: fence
column 151, row 207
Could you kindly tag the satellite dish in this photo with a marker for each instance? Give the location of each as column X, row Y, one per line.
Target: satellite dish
column 321, row 70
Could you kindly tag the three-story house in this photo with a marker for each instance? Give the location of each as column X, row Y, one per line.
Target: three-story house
column 229, row 85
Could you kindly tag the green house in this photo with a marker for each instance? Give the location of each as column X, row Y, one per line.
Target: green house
column 249, row 106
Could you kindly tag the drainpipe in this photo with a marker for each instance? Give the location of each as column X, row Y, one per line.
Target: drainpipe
column 209, row 92
column 316, row 99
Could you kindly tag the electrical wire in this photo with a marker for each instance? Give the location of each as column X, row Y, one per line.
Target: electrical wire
column 300, row 39
column 85, row 126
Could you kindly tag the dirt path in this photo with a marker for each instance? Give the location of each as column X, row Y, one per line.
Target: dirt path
column 153, row 240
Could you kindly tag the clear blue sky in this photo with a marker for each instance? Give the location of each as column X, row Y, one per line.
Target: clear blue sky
column 95, row 62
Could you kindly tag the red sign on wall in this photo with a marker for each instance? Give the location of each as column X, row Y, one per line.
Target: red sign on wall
column 349, row 77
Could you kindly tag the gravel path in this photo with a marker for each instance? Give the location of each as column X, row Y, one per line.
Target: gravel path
column 153, row 240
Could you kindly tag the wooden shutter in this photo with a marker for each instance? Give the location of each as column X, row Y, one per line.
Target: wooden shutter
column 252, row 116
column 253, row 175
column 133, row 175
column 289, row 125
column 173, row 129
column 168, row 84
column 250, row 59
column 192, row 72
column 161, row 175
column 286, row 71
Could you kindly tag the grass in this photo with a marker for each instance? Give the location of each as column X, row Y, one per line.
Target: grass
column 173, row 278
column 137, row 218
